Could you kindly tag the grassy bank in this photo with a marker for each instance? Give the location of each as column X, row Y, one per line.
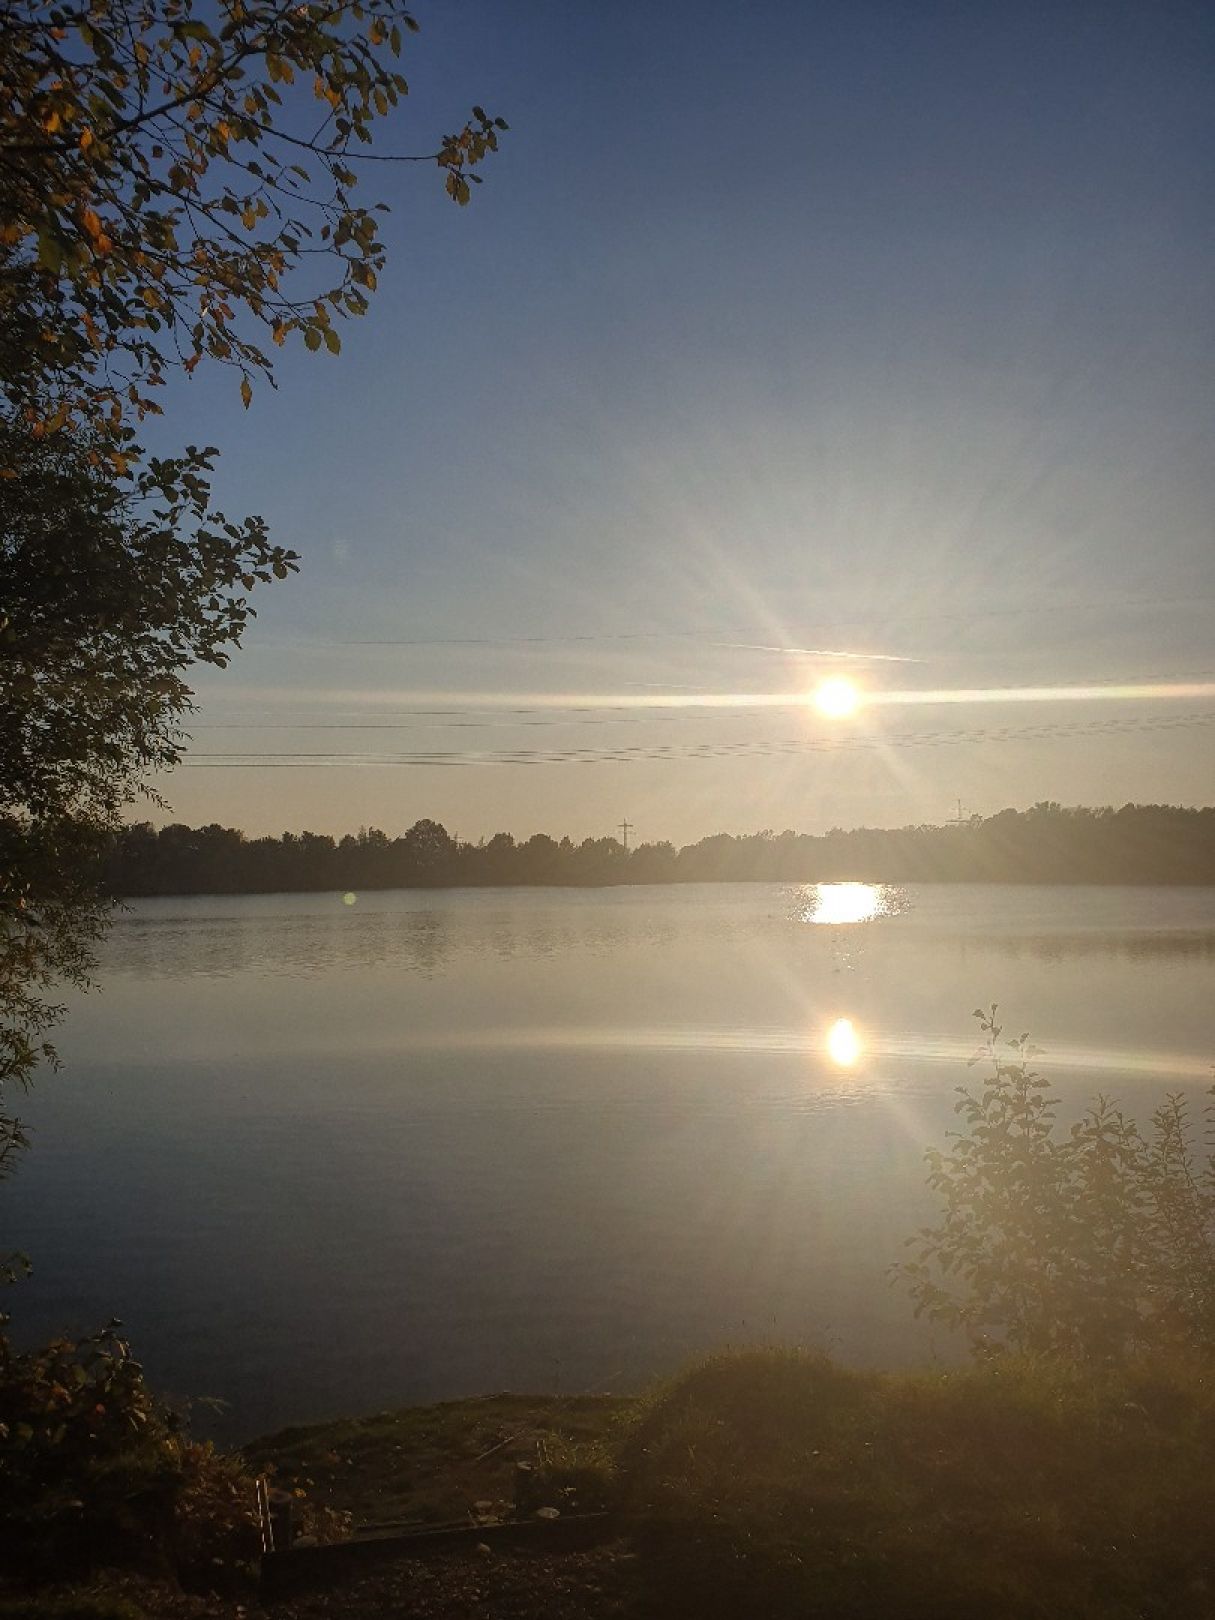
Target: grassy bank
column 428, row 1465
column 778, row 1484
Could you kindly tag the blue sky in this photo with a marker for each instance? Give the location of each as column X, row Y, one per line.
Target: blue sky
column 865, row 327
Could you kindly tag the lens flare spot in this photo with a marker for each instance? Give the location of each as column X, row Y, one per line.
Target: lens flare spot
column 349, row 898
column 837, row 698
column 843, row 1043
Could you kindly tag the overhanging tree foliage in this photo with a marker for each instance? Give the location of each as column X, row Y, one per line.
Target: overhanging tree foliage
column 112, row 589
column 177, row 183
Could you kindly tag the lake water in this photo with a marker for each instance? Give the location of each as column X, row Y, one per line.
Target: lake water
column 325, row 1156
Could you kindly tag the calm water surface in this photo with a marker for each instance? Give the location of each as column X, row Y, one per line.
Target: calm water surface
column 324, row 1156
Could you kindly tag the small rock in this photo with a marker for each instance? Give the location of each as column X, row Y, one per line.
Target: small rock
column 548, row 1513
column 484, row 1506
column 484, row 1550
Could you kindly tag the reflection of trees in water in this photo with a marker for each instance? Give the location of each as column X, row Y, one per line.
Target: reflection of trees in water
column 416, row 936
column 1198, row 945
column 1123, row 944
column 422, row 941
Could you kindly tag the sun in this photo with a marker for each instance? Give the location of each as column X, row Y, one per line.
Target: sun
column 837, row 698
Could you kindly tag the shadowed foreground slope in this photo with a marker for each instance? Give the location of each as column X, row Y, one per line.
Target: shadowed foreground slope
column 775, row 1483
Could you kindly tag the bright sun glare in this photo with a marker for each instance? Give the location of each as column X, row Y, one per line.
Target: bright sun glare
column 837, row 697
column 844, row 903
column 843, row 1043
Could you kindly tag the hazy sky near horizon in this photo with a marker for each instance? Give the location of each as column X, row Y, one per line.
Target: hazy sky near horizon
column 875, row 328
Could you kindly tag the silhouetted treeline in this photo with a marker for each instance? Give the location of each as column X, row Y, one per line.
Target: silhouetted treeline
column 1140, row 843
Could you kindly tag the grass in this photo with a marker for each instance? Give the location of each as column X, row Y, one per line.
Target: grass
column 78, row 1605
column 778, row 1483
column 434, row 1464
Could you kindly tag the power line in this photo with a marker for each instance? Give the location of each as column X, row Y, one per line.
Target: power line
column 1043, row 731
column 585, row 713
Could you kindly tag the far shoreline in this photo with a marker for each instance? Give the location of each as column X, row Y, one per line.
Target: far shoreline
column 1136, row 845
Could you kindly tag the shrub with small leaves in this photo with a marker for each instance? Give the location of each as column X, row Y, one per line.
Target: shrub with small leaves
column 97, row 1470
column 1096, row 1243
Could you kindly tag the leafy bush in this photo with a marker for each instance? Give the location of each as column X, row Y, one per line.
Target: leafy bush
column 1098, row 1243
column 96, row 1470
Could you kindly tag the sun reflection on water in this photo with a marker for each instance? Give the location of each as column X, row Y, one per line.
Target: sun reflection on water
column 844, row 902
column 843, row 1043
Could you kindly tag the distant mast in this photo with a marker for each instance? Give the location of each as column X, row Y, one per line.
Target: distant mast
column 625, row 828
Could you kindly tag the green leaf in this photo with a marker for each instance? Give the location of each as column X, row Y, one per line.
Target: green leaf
column 332, row 341
column 312, row 338
column 50, row 252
